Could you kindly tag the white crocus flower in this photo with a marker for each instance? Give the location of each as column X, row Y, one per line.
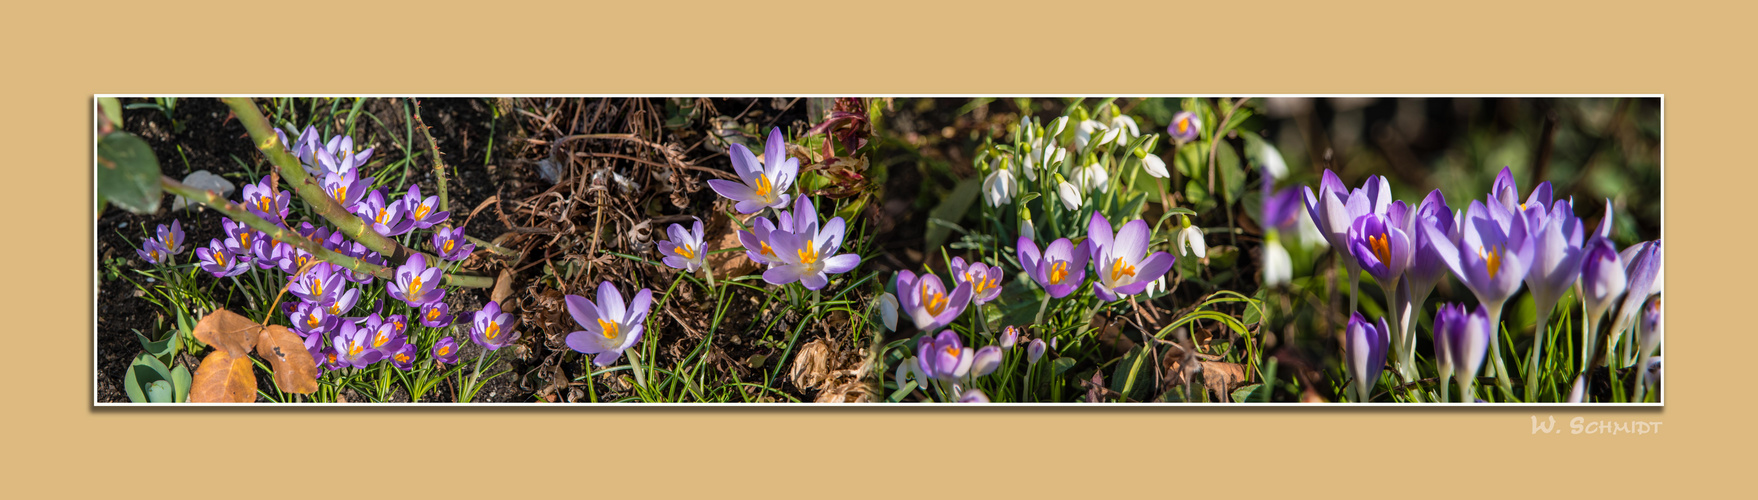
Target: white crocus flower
column 1155, row 166
column 999, row 187
column 1070, row 194
column 888, row 310
column 1278, row 266
column 1190, row 241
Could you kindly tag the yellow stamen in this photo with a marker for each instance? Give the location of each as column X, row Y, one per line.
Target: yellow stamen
column 1522, row 207
column 341, row 192
column 332, row 357
column 154, row 254
column 266, row 204
column 1058, row 271
column 952, row 351
column 311, row 321
column 767, row 251
column 220, row 258
column 336, row 308
column 609, row 327
column 1121, row 269
column 445, row 349
column 685, row 252
column 379, row 341
column 354, row 351
column 317, row 285
column 808, row 255
column 415, row 286
column 1183, row 125
column 978, row 286
column 1492, row 260
column 934, row 301
column 764, row 188
column 433, row 314
column 494, row 330
column 1381, row 248
column 381, row 216
column 402, row 358
column 244, row 239
column 449, row 245
column 421, row 211
column 301, row 261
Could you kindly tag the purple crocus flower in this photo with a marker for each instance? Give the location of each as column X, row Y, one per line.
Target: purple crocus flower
column 219, row 261
column 1603, row 281
column 984, row 279
column 686, row 249
column 154, row 252
column 808, row 255
column 1334, row 208
column 265, row 201
column 423, row 212
column 344, row 302
column 341, row 153
column 1491, row 256
column 310, row 318
column 1060, row 269
column 756, row 242
column 1035, row 350
column 491, row 328
column 292, row 259
column 1009, row 337
column 1365, row 343
column 445, row 351
column 364, row 254
column 436, row 315
column 610, row 327
column 323, row 357
column 1506, row 192
column 1427, row 267
column 973, row 396
column 1461, row 337
column 1556, row 264
column 1381, row 246
column 346, row 187
column 1282, row 210
column 450, row 244
column 985, row 361
column 388, row 338
column 404, row 357
column 416, row 284
column 304, row 148
column 1185, row 127
column 171, row 238
column 1123, row 265
column 320, row 284
column 765, row 184
column 386, row 218
column 926, row 301
column 944, row 356
column 353, row 346
column 1642, row 266
column 268, row 253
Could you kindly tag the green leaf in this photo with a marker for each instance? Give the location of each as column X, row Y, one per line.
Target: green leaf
column 181, row 378
column 128, row 173
column 1232, row 176
column 1198, row 196
column 952, row 208
column 161, row 392
column 112, row 109
column 162, row 349
column 1061, row 365
column 144, row 371
column 1243, row 394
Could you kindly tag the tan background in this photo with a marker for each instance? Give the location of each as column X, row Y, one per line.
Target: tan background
column 56, row 444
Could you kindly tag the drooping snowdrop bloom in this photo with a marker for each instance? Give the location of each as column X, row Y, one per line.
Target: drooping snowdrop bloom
column 1042, row 155
column 1462, row 338
column 1068, row 193
column 1086, row 129
column 1155, row 166
column 888, row 310
column 386, row 218
column 1060, row 268
column 423, row 212
column 685, row 250
column 1026, row 230
column 1094, row 178
column 1185, row 127
column 491, row 328
column 1000, row 187
column 415, row 283
column 1190, row 241
column 1125, row 127
column 1365, row 345
column 1123, row 265
column 765, row 184
column 610, row 326
column 984, row 280
column 217, row 260
column 927, row 302
column 809, row 255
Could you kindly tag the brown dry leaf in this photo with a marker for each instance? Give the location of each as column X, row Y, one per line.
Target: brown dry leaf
column 723, row 234
column 1222, row 377
column 503, row 288
column 295, row 371
column 222, row 378
column 227, row 331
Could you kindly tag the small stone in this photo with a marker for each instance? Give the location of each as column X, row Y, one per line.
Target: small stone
column 202, row 179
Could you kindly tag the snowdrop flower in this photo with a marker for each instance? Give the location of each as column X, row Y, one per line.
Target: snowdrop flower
column 888, row 310
column 1278, row 266
column 1094, row 177
column 1125, row 127
column 1026, row 230
column 1190, row 241
column 1083, row 133
column 1155, row 166
column 1070, row 195
column 999, row 187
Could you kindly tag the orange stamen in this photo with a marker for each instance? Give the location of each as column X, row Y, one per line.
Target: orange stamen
column 609, row 327
column 1058, row 272
column 934, row 301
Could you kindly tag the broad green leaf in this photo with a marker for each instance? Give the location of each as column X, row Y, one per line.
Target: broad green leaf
column 1198, row 196
column 162, row 349
column 161, row 392
column 1230, row 174
column 144, row 371
column 952, row 208
column 1061, row 365
column 1244, row 394
column 112, row 109
column 128, row 173
column 181, row 379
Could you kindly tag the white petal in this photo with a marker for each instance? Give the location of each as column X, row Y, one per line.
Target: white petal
column 888, row 310
column 1278, row 267
column 1155, row 166
column 1070, row 195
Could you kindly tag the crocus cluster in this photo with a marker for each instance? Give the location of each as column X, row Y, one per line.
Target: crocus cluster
column 1494, row 247
column 793, row 246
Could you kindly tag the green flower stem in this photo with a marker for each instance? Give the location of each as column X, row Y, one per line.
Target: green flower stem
column 302, row 183
column 1495, row 350
column 1533, row 365
column 239, row 213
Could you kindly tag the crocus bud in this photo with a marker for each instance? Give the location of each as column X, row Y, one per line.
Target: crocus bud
column 1366, row 344
column 1648, row 329
column 1465, row 335
column 973, row 396
column 986, row 361
column 888, row 310
column 1602, row 276
column 1009, row 337
column 1034, row 351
